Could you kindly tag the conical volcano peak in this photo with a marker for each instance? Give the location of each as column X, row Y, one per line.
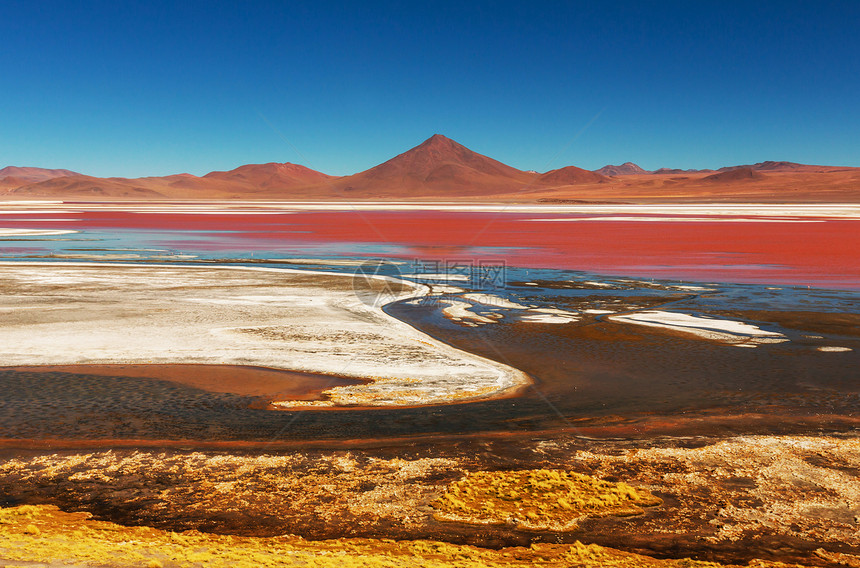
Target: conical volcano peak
column 440, row 157
column 440, row 143
column 438, row 139
column 442, row 165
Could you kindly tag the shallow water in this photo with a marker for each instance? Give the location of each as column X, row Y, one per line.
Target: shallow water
column 593, row 377
column 799, row 250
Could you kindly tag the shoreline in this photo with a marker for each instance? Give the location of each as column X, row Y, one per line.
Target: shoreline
column 360, row 328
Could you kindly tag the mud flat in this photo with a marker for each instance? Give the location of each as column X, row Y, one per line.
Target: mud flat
column 263, row 383
column 321, row 323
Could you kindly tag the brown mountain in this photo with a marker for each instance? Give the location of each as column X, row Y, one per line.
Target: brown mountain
column 438, row 166
column 679, row 171
column 441, row 169
column 735, row 176
column 571, row 175
column 272, row 176
column 87, row 186
column 14, row 176
column 31, row 175
column 254, row 181
column 625, row 169
column 772, row 166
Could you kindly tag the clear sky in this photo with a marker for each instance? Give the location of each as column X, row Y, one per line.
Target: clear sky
column 153, row 88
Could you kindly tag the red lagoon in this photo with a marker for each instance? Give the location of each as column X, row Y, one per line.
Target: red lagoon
column 816, row 251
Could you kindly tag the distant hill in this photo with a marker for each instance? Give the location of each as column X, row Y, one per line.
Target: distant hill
column 30, row 175
column 254, row 181
column 272, row 175
column 735, row 175
column 14, row 176
column 571, row 175
column 678, row 171
column 768, row 166
column 625, row 169
column 771, row 166
column 87, row 186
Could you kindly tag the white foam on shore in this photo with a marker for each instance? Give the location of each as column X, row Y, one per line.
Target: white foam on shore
column 331, row 261
column 438, row 277
column 549, row 315
column 465, row 313
column 34, row 232
column 831, row 349
column 462, row 312
column 445, row 289
column 493, row 300
column 726, row 331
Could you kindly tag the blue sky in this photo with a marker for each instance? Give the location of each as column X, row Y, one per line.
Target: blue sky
column 153, row 88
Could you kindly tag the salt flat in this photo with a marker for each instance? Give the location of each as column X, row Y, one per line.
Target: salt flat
column 77, row 313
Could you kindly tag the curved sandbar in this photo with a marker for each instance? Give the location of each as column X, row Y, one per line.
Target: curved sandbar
column 79, row 313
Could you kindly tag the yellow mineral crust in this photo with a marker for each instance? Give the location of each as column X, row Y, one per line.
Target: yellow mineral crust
column 540, row 499
column 74, row 538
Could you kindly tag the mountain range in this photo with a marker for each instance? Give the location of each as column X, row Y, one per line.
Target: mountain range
column 12, row 176
column 440, row 168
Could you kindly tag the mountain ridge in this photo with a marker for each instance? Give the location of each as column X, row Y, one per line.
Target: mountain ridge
column 441, row 168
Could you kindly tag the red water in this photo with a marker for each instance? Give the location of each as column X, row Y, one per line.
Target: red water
column 825, row 253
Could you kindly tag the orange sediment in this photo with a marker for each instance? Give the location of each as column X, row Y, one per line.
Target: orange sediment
column 541, row 499
column 45, row 534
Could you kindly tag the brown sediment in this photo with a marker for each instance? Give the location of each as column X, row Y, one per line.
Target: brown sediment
column 700, row 424
column 262, row 382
